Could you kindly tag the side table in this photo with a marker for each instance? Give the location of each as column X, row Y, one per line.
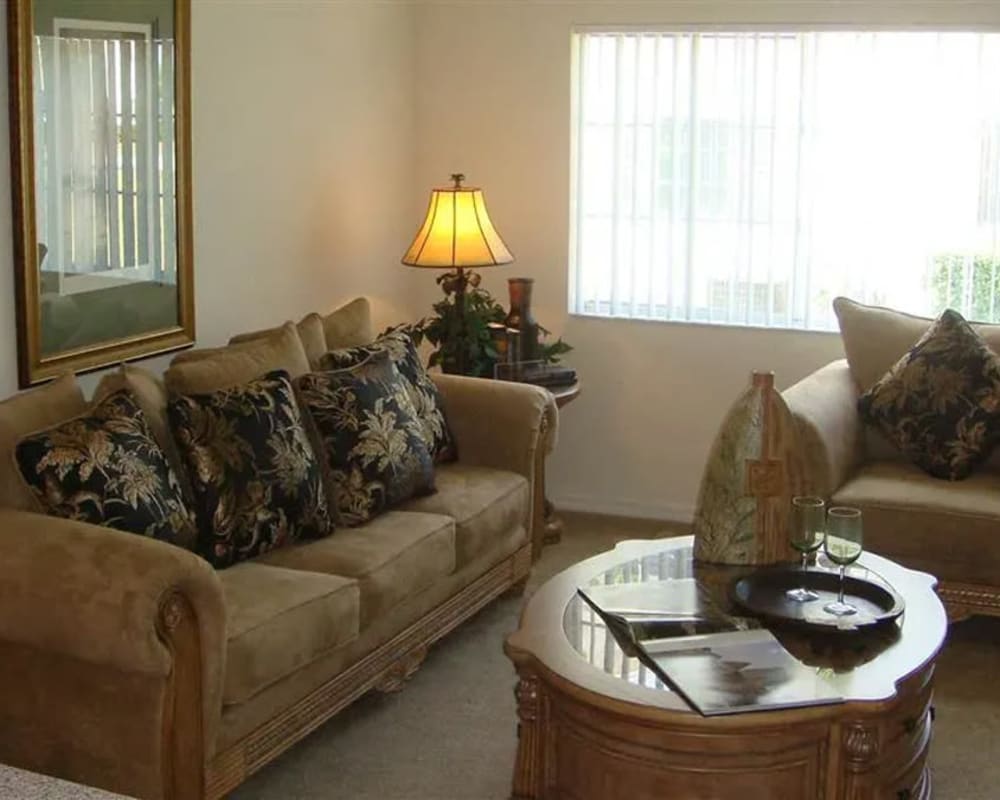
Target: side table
column 554, row 525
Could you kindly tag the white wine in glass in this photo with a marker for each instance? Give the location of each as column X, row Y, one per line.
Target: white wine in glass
column 843, row 547
column 806, row 536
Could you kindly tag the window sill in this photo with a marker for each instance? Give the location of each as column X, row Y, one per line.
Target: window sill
column 706, row 324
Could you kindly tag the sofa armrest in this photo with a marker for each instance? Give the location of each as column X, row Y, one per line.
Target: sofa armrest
column 824, row 405
column 499, row 424
column 126, row 604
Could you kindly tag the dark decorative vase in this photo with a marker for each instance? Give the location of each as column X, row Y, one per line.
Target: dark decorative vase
column 521, row 319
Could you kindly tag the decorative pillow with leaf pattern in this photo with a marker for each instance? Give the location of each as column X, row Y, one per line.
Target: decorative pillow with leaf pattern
column 940, row 403
column 106, row 468
column 424, row 394
column 373, row 442
column 257, row 481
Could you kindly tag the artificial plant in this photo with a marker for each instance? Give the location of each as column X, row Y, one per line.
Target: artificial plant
column 462, row 340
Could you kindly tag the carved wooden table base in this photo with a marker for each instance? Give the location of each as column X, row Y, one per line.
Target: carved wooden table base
column 570, row 745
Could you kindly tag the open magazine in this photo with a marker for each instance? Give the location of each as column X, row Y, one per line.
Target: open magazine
column 722, row 670
column 635, row 612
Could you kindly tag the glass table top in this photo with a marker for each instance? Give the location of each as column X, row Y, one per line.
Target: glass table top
column 595, row 644
column 587, row 632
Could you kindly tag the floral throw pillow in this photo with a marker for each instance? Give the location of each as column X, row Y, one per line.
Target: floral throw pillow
column 374, row 444
column 106, row 468
column 940, row 403
column 257, row 481
column 424, row 395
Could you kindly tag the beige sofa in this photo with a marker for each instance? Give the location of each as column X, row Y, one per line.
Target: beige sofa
column 949, row 529
column 132, row 665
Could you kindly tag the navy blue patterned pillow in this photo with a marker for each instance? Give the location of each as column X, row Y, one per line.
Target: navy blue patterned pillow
column 257, row 481
column 423, row 393
column 106, row 468
column 373, row 442
column 940, row 403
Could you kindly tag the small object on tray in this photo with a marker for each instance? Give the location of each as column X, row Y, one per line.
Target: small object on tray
column 762, row 593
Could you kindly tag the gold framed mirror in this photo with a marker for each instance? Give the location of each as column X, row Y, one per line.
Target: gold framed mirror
column 101, row 181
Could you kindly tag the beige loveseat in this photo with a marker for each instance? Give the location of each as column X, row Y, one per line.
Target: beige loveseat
column 949, row 529
column 132, row 665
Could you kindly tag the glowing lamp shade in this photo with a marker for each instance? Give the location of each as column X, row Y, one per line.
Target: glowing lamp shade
column 457, row 232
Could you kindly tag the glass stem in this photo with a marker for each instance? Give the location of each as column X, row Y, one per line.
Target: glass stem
column 805, row 560
column 840, row 598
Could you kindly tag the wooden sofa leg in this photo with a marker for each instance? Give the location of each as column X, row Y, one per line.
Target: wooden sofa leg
column 396, row 677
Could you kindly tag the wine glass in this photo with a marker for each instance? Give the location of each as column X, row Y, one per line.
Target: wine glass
column 843, row 547
column 808, row 525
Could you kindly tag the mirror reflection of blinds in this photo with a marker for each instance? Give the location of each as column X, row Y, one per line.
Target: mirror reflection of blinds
column 748, row 177
column 101, row 94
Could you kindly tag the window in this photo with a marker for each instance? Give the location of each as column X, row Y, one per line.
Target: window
column 747, row 178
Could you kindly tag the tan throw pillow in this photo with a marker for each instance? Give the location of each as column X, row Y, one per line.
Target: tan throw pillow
column 349, row 326
column 26, row 413
column 311, row 332
column 237, row 364
column 875, row 338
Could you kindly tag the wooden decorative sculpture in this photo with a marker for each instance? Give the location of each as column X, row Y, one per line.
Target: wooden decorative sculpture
column 752, row 474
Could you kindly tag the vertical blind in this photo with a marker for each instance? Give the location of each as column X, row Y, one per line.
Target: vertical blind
column 750, row 177
column 105, row 150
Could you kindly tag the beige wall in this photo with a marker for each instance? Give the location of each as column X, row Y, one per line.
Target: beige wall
column 303, row 164
column 493, row 101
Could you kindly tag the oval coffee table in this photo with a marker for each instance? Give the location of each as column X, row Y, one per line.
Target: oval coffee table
column 595, row 724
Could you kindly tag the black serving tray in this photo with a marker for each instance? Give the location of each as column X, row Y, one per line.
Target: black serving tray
column 762, row 594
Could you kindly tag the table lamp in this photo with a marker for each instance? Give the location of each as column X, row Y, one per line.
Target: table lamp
column 457, row 235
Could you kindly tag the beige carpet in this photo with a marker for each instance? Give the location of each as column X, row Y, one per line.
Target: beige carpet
column 451, row 734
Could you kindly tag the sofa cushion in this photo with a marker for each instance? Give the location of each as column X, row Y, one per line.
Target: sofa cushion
column 940, row 403
column 310, row 329
column 208, row 370
column 875, row 338
column 951, row 530
column 278, row 620
column 393, row 557
column 257, row 481
column 26, row 413
column 422, row 391
column 371, row 437
column 104, row 467
column 485, row 504
column 350, row 325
